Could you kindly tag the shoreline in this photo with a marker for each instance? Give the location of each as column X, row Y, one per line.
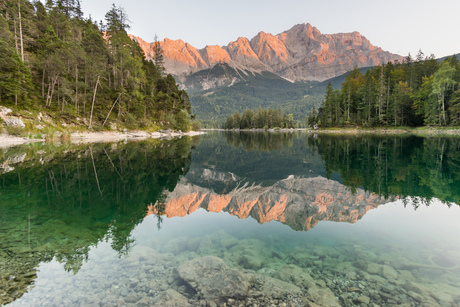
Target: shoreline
column 7, row 141
column 137, row 135
column 355, row 131
column 391, row 131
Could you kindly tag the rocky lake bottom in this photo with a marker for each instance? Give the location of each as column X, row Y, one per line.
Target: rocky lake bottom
column 199, row 263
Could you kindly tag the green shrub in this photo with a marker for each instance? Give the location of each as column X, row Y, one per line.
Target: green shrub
column 196, row 125
column 17, row 131
column 182, row 121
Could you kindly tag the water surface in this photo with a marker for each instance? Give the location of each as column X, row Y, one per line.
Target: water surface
column 251, row 218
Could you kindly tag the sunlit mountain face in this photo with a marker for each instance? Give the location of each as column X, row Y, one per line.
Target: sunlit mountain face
column 243, row 218
column 300, row 53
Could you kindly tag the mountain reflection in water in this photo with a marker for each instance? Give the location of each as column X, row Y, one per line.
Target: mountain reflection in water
column 299, row 203
column 90, row 210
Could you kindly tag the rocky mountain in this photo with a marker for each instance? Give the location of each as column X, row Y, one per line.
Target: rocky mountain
column 301, row 53
column 299, row 203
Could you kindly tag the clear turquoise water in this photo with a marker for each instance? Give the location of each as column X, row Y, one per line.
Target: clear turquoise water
column 292, row 212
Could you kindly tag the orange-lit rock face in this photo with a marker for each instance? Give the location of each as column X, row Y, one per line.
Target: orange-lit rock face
column 214, row 54
column 298, row 202
column 270, row 49
column 241, row 48
column 301, row 53
column 242, row 53
column 178, row 51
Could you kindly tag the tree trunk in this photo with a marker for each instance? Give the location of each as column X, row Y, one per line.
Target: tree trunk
column 15, row 35
column 443, row 109
column 121, row 67
column 381, row 96
column 388, row 93
column 349, row 98
column 76, row 88
column 119, row 108
column 20, row 30
column 92, row 105
column 111, row 110
column 43, row 83
column 59, row 95
column 370, row 109
column 110, row 78
column 48, row 92
column 50, row 95
column 84, row 98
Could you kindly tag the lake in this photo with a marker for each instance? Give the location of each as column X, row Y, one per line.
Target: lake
column 232, row 219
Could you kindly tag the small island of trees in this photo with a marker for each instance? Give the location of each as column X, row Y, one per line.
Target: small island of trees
column 260, row 119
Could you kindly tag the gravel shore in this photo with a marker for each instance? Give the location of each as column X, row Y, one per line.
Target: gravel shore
column 7, row 141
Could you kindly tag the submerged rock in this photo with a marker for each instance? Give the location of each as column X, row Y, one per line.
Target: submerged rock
column 294, row 274
column 171, row 298
column 322, row 296
column 213, row 279
column 275, row 288
column 374, row 268
column 389, row 273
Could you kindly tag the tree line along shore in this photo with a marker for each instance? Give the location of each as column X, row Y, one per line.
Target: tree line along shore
column 416, row 93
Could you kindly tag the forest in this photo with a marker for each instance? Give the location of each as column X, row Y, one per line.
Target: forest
column 260, row 119
column 265, row 90
column 83, row 72
column 417, row 92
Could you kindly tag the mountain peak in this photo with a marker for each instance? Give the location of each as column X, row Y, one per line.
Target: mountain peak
column 214, row 54
column 300, row 53
column 303, row 30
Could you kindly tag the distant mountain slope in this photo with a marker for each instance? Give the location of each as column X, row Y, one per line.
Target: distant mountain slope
column 301, row 53
column 239, row 90
column 337, row 81
column 454, row 55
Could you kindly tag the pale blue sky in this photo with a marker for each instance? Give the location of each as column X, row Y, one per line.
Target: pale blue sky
column 397, row 26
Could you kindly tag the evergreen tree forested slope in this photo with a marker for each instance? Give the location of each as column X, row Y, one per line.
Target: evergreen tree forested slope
column 253, row 91
column 420, row 92
column 54, row 60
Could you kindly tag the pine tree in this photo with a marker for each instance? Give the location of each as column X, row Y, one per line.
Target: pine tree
column 158, row 56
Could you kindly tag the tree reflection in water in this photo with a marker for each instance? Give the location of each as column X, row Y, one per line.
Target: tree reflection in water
column 60, row 201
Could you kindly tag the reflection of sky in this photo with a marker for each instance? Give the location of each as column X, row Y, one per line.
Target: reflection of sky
column 436, row 224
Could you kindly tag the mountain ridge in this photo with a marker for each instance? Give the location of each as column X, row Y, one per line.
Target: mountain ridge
column 298, row 54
